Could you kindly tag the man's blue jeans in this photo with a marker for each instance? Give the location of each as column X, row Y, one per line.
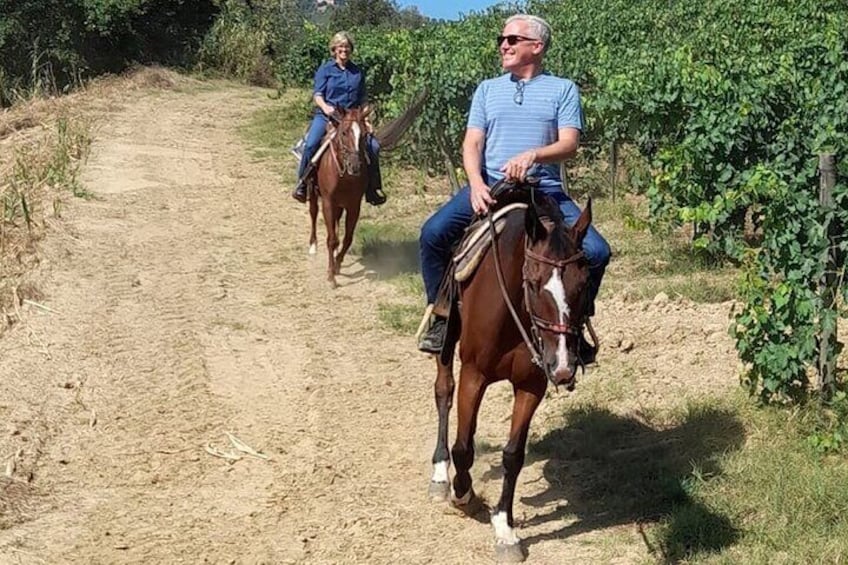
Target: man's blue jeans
column 313, row 141
column 445, row 227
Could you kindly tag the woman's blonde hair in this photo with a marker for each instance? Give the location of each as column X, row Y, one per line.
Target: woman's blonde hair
column 341, row 38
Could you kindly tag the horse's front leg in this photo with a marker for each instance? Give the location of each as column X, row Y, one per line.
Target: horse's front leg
column 528, row 396
column 330, row 222
column 351, row 219
column 472, row 385
column 313, row 216
column 439, row 483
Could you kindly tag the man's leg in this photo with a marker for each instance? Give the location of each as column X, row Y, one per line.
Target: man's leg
column 313, row 140
column 439, row 234
column 374, row 191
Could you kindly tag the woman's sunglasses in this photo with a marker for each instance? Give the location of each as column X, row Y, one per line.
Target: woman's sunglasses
column 513, row 39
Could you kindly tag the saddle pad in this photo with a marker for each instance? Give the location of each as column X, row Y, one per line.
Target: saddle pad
column 474, row 246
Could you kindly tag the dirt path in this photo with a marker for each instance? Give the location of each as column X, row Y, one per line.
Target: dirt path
column 182, row 313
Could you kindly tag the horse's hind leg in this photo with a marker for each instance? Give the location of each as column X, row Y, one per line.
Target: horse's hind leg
column 527, row 399
column 472, row 385
column 351, row 220
column 313, row 215
column 439, row 484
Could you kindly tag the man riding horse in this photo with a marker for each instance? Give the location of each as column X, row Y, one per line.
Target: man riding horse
column 339, row 85
column 526, row 118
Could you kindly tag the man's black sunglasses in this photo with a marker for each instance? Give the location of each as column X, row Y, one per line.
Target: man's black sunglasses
column 513, row 39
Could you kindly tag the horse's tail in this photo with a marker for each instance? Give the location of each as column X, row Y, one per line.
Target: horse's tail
column 391, row 133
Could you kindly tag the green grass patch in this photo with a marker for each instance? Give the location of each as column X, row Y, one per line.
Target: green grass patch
column 401, row 318
column 387, row 248
column 719, row 481
column 645, row 264
column 274, row 130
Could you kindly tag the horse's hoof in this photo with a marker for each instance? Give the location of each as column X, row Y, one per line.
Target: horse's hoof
column 439, row 491
column 469, row 505
column 509, row 553
column 313, row 249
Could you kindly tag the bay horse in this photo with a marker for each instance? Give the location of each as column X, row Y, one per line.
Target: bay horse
column 341, row 180
column 536, row 269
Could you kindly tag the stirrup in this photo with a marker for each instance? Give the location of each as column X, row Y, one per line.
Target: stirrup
column 375, row 197
column 433, row 340
column 588, row 351
column 300, row 193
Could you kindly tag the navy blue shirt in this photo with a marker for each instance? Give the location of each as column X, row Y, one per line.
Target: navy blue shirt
column 340, row 88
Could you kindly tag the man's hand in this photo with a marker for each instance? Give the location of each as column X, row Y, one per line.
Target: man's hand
column 516, row 168
column 480, row 197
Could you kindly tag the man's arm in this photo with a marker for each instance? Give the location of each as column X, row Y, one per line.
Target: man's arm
column 565, row 146
column 472, row 162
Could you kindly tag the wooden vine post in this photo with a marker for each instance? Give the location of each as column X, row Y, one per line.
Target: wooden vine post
column 828, row 284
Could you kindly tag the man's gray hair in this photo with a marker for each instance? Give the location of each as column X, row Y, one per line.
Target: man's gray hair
column 538, row 27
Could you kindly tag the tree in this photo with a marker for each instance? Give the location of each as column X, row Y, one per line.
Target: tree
column 354, row 14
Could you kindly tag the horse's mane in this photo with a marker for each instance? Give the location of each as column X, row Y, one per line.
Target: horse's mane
column 547, row 208
column 506, row 193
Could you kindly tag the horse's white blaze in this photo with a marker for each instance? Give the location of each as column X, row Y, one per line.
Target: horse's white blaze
column 440, row 472
column 557, row 290
column 356, row 131
column 503, row 532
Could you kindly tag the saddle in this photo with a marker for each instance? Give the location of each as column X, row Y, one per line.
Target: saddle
column 476, row 241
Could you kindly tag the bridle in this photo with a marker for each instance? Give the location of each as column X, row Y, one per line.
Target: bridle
column 537, row 323
column 348, row 160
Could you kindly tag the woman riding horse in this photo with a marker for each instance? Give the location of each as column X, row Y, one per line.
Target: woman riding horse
column 339, row 85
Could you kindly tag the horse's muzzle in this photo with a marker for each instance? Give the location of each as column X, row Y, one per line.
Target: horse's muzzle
column 562, row 375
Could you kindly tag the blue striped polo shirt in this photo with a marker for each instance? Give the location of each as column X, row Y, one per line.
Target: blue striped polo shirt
column 518, row 115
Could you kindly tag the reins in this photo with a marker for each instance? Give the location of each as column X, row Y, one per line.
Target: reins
column 535, row 356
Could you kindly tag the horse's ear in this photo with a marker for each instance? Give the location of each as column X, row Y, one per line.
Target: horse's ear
column 533, row 225
column 366, row 110
column 581, row 226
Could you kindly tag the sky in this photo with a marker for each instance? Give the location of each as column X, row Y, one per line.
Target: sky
column 447, row 9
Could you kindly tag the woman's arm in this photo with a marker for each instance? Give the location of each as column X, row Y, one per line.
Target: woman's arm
column 321, row 79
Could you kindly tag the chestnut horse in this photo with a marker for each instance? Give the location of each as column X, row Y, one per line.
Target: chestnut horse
column 534, row 276
column 341, row 180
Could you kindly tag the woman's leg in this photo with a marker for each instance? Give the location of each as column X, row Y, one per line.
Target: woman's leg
column 313, row 140
column 374, row 191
